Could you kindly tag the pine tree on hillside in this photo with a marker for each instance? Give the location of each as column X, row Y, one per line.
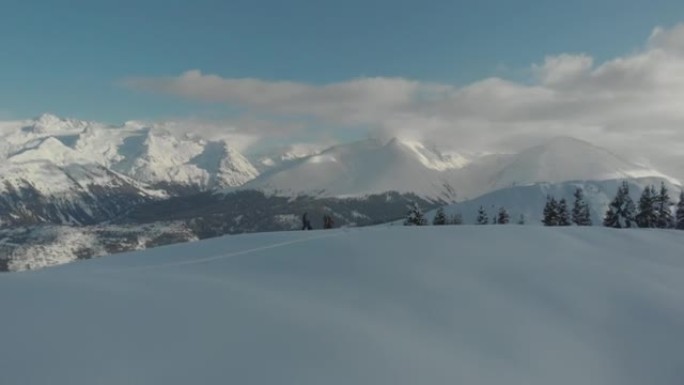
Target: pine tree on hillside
column 580, row 210
column 440, row 218
column 482, row 218
column 328, row 222
column 664, row 208
column 415, row 216
column 457, row 219
column 611, row 219
column 550, row 212
column 680, row 212
column 503, row 218
column 621, row 210
column 521, row 220
column 563, row 214
column 646, row 216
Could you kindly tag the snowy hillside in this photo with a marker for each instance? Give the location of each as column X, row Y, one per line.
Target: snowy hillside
column 566, row 159
column 561, row 159
column 41, row 192
column 368, row 306
column 529, row 200
column 365, row 167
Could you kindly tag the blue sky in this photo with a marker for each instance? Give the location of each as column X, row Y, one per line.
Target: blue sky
column 70, row 57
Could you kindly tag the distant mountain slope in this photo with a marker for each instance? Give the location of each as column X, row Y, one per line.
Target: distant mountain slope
column 562, row 159
column 78, row 194
column 373, row 166
column 147, row 153
column 362, row 168
column 66, row 171
column 404, row 306
column 566, row 159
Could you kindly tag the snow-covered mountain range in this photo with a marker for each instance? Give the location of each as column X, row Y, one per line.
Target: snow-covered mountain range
column 408, row 166
column 155, row 158
column 60, row 171
column 365, row 167
column 76, row 172
column 149, row 154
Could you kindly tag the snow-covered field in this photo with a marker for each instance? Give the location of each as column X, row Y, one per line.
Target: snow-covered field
column 434, row 305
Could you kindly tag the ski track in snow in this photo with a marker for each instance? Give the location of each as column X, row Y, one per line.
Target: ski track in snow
column 220, row 256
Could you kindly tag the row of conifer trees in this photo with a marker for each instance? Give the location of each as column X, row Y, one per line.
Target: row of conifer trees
column 654, row 210
column 415, row 217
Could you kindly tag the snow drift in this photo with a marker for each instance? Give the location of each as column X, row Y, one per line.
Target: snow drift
column 437, row 305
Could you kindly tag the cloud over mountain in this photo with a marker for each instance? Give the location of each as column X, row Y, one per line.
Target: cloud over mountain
column 628, row 103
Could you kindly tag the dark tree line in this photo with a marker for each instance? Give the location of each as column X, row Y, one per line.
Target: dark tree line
column 655, row 209
column 556, row 211
column 415, row 217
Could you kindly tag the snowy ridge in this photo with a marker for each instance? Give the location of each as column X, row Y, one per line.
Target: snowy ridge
column 408, row 166
column 567, row 159
column 147, row 153
column 380, row 306
column 151, row 154
column 363, row 168
column 74, row 194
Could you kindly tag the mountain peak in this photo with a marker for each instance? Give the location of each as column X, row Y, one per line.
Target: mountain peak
column 565, row 159
column 46, row 123
column 47, row 119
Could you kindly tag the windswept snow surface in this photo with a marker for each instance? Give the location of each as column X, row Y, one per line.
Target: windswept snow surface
column 436, row 305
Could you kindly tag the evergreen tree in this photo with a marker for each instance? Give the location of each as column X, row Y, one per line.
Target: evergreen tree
column 611, row 219
column 415, row 216
column 457, row 219
column 328, row 222
column 503, row 218
column 563, row 214
column 663, row 208
column 482, row 218
column 521, row 220
column 646, row 216
column 680, row 212
column 550, row 212
column 440, row 218
column 621, row 210
column 580, row 210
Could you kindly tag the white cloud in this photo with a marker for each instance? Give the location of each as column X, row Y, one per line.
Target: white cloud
column 633, row 103
column 564, row 69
